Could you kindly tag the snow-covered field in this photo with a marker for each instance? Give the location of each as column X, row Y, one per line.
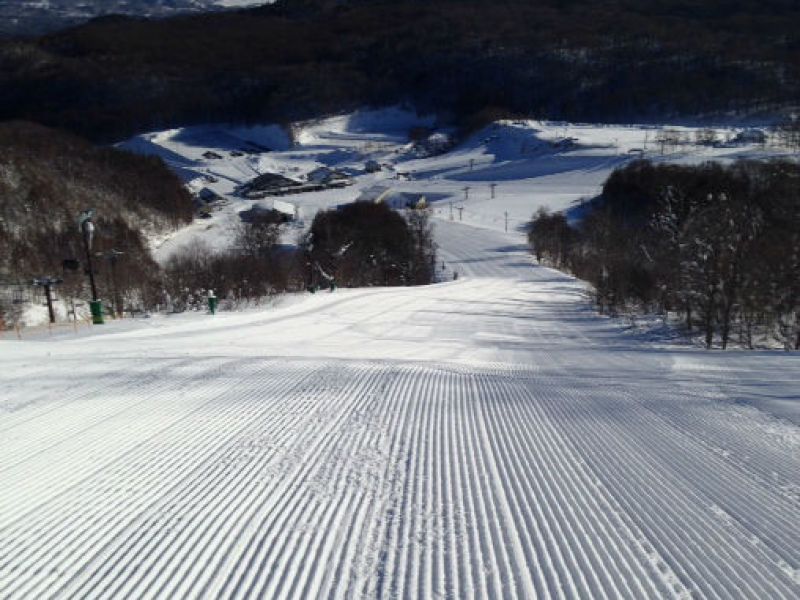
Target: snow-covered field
column 490, row 437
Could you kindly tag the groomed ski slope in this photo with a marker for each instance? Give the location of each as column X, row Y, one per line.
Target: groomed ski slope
column 484, row 438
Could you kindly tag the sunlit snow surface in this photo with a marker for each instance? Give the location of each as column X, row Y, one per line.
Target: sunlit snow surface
column 490, row 437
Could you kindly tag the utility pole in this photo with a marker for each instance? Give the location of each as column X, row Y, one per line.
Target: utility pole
column 492, row 187
column 466, row 193
column 460, row 213
column 112, row 256
column 47, row 283
column 506, row 215
column 451, row 210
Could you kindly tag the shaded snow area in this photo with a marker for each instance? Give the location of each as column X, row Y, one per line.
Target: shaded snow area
column 524, row 164
column 490, row 437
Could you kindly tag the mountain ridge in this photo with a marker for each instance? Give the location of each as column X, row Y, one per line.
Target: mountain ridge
column 473, row 62
column 35, row 17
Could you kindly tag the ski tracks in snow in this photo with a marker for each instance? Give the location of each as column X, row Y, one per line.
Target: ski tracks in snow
column 300, row 479
column 552, row 459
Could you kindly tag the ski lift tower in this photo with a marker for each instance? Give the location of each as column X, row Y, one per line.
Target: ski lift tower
column 112, row 256
column 47, row 283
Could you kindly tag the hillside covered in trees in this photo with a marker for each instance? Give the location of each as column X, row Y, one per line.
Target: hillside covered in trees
column 718, row 245
column 591, row 60
column 48, row 177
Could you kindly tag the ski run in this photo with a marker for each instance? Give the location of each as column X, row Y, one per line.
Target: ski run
column 485, row 438
column 488, row 437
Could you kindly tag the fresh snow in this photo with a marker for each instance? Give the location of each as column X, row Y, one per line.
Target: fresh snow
column 488, row 437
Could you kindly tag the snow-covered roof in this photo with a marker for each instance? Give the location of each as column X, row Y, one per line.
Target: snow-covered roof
column 393, row 198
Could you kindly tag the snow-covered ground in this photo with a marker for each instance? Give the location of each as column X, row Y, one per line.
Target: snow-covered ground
column 526, row 164
column 490, row 437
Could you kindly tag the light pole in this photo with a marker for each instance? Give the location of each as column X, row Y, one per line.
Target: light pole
column 87, row 229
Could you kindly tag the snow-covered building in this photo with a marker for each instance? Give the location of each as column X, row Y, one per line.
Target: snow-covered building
column 390, row 197
column 263, row 208
column 268, row 184
column 208, row 196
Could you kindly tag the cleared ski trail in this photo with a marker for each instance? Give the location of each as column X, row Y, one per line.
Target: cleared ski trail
column 485, row 438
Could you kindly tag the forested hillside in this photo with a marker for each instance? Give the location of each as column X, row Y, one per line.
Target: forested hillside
column 718, row 245
column 591, row 60
column 48, row 177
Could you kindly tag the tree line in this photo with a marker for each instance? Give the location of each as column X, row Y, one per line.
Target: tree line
column 718, row 245
column 362, row 244
column 369, row 244
column 588, row 60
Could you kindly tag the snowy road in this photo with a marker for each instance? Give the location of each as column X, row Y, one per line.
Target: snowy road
column 489, row 438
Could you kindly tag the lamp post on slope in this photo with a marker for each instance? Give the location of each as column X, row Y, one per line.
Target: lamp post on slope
column 87, row 230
